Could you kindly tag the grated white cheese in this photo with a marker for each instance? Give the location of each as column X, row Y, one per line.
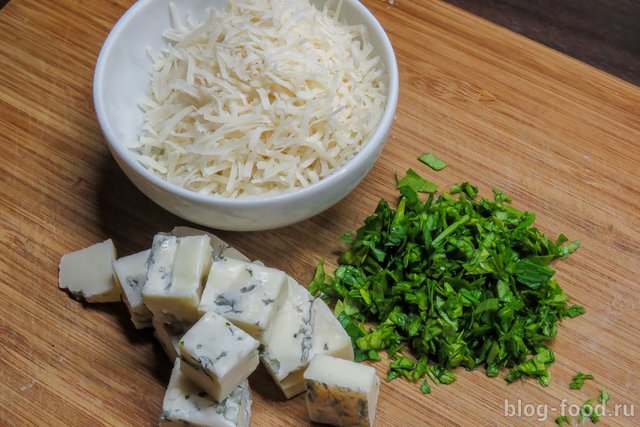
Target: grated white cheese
column 262, row 97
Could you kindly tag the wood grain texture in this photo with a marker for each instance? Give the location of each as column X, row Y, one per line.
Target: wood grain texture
column 602, row 33
column 560, row 137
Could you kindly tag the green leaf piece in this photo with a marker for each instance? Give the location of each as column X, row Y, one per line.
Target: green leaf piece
column 432, row 161
column 416, row 183
column 587, row 410
column 604, row 397
column 425, row 388
column 578, row 380
column 573, row 311
column 562, row 420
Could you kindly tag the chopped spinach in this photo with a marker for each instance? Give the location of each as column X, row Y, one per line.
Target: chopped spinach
column 433, row 161
column 450, row 280
column 587, row 410
column 604, row 397
column 578, row 380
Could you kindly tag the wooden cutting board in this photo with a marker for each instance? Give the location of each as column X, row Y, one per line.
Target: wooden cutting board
column 561, row 138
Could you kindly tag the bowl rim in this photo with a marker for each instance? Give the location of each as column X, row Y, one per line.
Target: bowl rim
column 376, row 138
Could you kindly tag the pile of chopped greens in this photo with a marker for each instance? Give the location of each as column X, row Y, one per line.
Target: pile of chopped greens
column 455, row 280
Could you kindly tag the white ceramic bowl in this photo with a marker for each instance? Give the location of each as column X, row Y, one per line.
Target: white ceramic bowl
column 121, row 79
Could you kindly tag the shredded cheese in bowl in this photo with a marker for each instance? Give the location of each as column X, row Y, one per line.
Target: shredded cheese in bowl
column 263, row 97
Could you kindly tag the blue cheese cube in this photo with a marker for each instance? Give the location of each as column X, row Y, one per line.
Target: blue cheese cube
column 131, row 272
column 88, row 273
column 303, row 327
column 217, row 355
column 219, row 248
column 191, row 267
column 246, row 294
column 159, row 272
column 185, row 404
column 341, row 392
column 176, row 270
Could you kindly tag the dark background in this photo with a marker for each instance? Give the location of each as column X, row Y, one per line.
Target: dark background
column 603, row 33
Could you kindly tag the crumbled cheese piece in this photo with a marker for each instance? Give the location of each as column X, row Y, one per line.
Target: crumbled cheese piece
column 262, row 97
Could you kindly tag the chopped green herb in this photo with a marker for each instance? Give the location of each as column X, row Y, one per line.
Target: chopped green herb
column 536, row 366
column 318, row 279
column 455, row 279
column 562, row 420
column 578, row 380
column 604, row 397
column 587, row 410
column 432, row 161
column 573, row 311
column 441, row 375
column 417, row 183
column 425, row 388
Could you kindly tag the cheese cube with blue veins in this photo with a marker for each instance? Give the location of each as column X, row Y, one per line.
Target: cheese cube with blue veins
column 341, row 392
column 220, row 248
column 185, row 404
column 246, row 294
column 131, row 272
column 176, row 269
column 159, row 272
column 303, row 327
column 88, row 273
column 217, row 355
